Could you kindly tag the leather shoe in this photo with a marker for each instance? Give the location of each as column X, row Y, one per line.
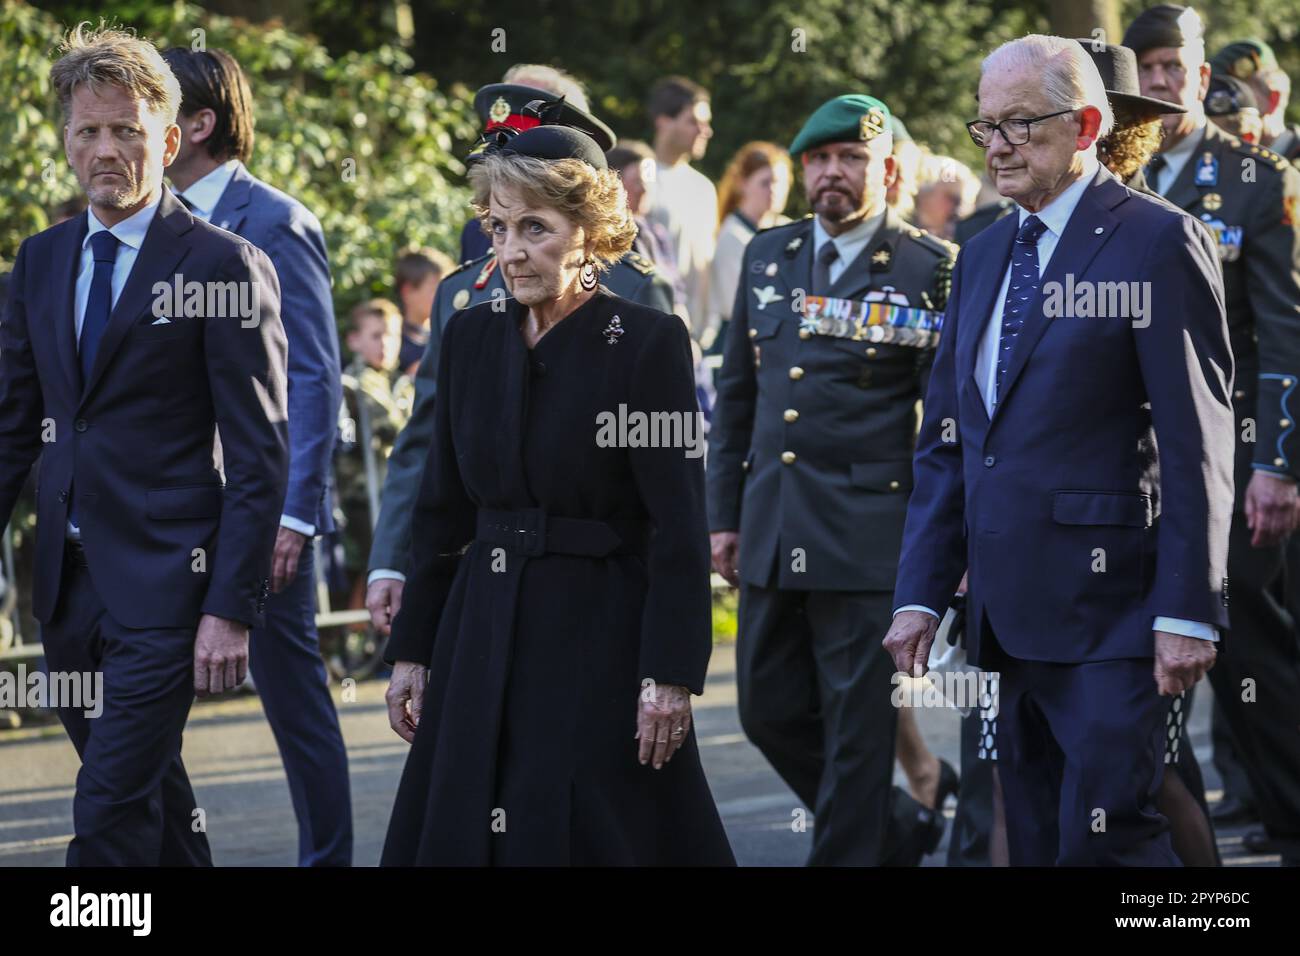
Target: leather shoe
column 1230, row 812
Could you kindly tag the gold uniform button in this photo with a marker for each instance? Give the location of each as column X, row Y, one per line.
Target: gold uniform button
column 753, row 333
column 805, row 334
column 787, row 457
column 893, row 486
column 791, row 415
column 796, row 373
column 871, row 353
column 1286, row 383
column 1279, row 462
column 1285, row 423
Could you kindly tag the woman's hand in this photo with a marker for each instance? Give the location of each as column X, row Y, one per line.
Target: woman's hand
column 663, row 719
column 405, row 697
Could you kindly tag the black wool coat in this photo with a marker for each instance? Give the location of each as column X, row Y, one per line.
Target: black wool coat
column 524, row 753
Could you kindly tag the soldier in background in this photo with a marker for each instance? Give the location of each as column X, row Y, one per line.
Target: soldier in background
column 1254, row 63
column 1247, row 194
column 827, row 354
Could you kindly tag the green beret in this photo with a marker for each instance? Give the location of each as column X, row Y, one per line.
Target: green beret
column 1244, row 58
column 853, row 118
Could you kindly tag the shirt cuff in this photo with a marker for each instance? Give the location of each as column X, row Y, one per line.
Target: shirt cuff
column 917, row 607
column 293, row 524
column 1269, row 470
column 384, row 574
column 1173, row 625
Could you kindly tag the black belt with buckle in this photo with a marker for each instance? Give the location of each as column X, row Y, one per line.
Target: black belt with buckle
column 532, row 532
column 74, row 553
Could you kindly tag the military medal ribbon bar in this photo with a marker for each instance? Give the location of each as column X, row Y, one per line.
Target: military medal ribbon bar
column 877, row 322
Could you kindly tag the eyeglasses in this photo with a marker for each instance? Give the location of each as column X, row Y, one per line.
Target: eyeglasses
column 1014, row 131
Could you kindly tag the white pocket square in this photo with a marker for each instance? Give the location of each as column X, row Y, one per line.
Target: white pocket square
column 162, row 321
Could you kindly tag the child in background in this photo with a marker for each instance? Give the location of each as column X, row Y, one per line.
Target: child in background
column 370, row 418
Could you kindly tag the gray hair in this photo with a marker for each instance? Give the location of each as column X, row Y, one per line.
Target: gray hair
column 551, row 80
column 1069, row 77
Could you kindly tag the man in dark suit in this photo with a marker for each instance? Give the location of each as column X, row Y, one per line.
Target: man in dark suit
column 828, row 350
column 131, row 334
column 216, row 123
column 633, row 277
column 1249, row 197
column 1080, row 332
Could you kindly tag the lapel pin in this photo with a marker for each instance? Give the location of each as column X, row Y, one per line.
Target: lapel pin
column 1098, row 231
column 613, row 330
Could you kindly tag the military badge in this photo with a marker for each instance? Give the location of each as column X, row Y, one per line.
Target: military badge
column 792, row 246
column 1207, row 170
column 872, row 124
column 1212, row 202
column 460, row 299
column 1228, row 237
column 1244, row 67
column 499, row 111
column 766, row 296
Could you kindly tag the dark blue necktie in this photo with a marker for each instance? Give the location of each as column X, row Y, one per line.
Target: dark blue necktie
column 1021, row 292
column 99, row 304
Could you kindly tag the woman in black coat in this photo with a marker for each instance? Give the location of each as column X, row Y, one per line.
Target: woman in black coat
column 557, row 616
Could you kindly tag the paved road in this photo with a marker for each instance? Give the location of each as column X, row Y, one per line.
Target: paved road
column 240, row 783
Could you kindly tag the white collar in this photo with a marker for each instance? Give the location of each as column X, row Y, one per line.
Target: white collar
column 1185, row 146
column 1056, row 214
column 204, row 194
column 849, row 243
column 130, row 231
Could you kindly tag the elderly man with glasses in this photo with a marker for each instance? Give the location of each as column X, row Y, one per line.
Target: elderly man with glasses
column 1084, row 356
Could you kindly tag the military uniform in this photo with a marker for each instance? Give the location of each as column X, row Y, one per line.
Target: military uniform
column 1259, row 245
column 811, row 462
column 370, row 407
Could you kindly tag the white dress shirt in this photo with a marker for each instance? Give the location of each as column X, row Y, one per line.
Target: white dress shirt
column 1055, row 216
column 850, row 244
column 204, row 194
column 130, row 234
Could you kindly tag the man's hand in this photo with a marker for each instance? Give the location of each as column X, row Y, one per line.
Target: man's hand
column 1270, row 509
column 284, row 560
column 405, row 697
column 726, row 546
column 220, row 655
column 384, row 600
column 909, row 639
column 1181, row 662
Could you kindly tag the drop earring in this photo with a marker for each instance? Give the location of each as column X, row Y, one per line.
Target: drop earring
column 587, row 277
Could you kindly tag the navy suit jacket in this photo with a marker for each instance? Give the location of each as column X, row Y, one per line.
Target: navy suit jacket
column 291, row 236
column 1099, row 496
column 165, row 541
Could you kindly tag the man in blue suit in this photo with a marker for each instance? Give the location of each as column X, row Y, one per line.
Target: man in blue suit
column 1084, row 356
column 131, row 334
column 216, row 123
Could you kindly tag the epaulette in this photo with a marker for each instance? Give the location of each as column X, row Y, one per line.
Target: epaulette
column 1276, row 160
column 469, row 264
column 486, row 273
column 639, row 262
column 936, row 244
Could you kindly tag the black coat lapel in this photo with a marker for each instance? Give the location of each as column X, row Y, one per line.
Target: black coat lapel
column 160, row 253
column 63, row 293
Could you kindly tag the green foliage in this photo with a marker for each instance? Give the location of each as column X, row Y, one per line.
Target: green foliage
column 363, row 141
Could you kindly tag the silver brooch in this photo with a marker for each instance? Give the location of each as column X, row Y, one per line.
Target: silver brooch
column 613, row 330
